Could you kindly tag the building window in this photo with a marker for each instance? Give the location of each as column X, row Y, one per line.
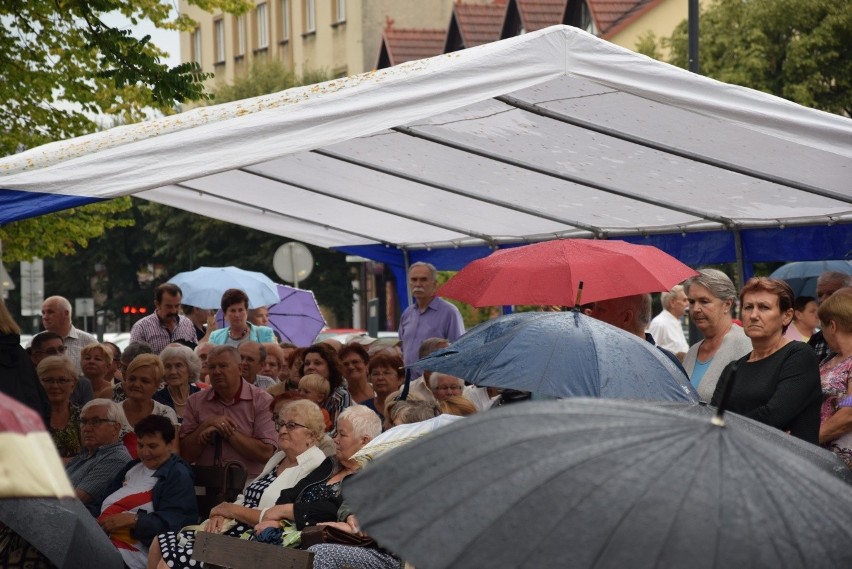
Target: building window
column 284, row 21
column 195, row 41
column 240, row 36
column 338, row 8
column 262, row 26
column 310, row 16
column 219, row 36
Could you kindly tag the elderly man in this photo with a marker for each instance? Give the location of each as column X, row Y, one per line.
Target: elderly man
column 165, row 325
column 252, row 358
column 429, row 316
column 234, row 414
column 631, row 314
column 445, row 386
column 103, row 454
column 828, row 283
column 50, row 344
column 56, row 318
column 666, row 328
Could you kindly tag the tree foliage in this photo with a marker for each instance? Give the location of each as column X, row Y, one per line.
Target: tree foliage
column 800, row 50
column 64, row 232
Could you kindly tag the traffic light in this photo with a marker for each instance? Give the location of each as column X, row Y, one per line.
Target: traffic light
column 129, row 309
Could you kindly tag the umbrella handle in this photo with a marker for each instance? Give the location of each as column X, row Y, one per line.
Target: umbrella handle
column 579, row 295
column 730, row 377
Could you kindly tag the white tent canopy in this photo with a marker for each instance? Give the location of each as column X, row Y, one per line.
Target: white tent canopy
column 551, row 134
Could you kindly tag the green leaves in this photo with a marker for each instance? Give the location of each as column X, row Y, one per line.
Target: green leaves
column 797, row 49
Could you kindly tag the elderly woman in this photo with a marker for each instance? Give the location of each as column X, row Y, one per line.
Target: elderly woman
column 805, row 319
column 835, row 431
column 59, row 376
column 239, row 329
column 445, row 386
column 711, row 296
column 181, row 370
column 355, row 360
column 298, row 465
column 151, row 495
column 356, row 426
column 96, row 363
column 322, row 359
column 778, row 382
column 387, row 374
column 140, row 383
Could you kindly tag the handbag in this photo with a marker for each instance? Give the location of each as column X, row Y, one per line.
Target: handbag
column 313, row 535
column 218, row 483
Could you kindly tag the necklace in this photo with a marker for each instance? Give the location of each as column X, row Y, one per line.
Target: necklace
column 240, row 337
column 175, row 399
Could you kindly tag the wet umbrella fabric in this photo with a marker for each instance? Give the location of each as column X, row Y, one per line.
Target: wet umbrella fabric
column 820, row 457
column 601, row 483
column 802, row 276
column 37, row 501
column 203, row 287
column 561, row 354
column 548, row 273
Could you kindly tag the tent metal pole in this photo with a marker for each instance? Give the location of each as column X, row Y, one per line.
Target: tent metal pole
column 693, row 35
column 661, row 147
column 738, row 250
column 407, row 262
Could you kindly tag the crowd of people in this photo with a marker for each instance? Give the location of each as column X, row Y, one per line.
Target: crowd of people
column 130, row 425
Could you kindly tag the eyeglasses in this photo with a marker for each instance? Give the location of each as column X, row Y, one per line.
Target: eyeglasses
column 94, row 422
column 52, row 351
column 448, row 388
column 289, row 425
column 56, row 380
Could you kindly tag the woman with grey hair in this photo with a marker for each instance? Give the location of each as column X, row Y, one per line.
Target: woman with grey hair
column 182, row 367
column 711, row 297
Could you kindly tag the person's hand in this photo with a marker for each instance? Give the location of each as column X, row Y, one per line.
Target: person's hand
column 206, row 435
column 211, row 321
column 266, row 524
column 352, row 522
column 223, row 509
column 214, row 524
column 279, row 512
column 118, row 522
column 226, row 427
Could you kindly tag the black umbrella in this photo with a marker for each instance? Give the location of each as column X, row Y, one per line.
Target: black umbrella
column 602, row 483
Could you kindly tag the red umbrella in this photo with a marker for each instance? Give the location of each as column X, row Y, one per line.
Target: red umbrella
column 549, row 273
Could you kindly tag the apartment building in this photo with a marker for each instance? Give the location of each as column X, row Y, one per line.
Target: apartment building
column 341, row 37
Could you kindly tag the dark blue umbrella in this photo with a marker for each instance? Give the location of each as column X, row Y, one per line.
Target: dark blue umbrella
column 802, row 276
column 562, row 354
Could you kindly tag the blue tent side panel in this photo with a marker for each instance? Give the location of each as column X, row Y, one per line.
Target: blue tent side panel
column 15, row 205
column 811, row 243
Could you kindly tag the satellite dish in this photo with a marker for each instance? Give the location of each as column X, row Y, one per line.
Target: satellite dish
column 293, row 262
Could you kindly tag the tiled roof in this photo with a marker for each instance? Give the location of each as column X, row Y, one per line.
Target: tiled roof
column 409, row 44
column 610, row 14
column 538, row 14
column 479, row 23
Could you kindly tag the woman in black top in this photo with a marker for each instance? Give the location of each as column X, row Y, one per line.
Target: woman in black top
column 778, row 382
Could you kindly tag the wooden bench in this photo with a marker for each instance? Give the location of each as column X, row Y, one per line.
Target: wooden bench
column 217, row 550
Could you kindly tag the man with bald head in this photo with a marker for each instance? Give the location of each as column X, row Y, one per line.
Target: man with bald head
column 56, row 318
column 828, row 283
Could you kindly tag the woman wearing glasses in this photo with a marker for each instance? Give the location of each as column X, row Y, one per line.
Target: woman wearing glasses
column 300, row 472
column 58, row 377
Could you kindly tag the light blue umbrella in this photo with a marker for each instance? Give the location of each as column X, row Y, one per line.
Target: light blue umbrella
column 203, row 287
column 562, row 354
column 802, row 276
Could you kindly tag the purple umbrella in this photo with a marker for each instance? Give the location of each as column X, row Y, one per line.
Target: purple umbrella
column 296, row 317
